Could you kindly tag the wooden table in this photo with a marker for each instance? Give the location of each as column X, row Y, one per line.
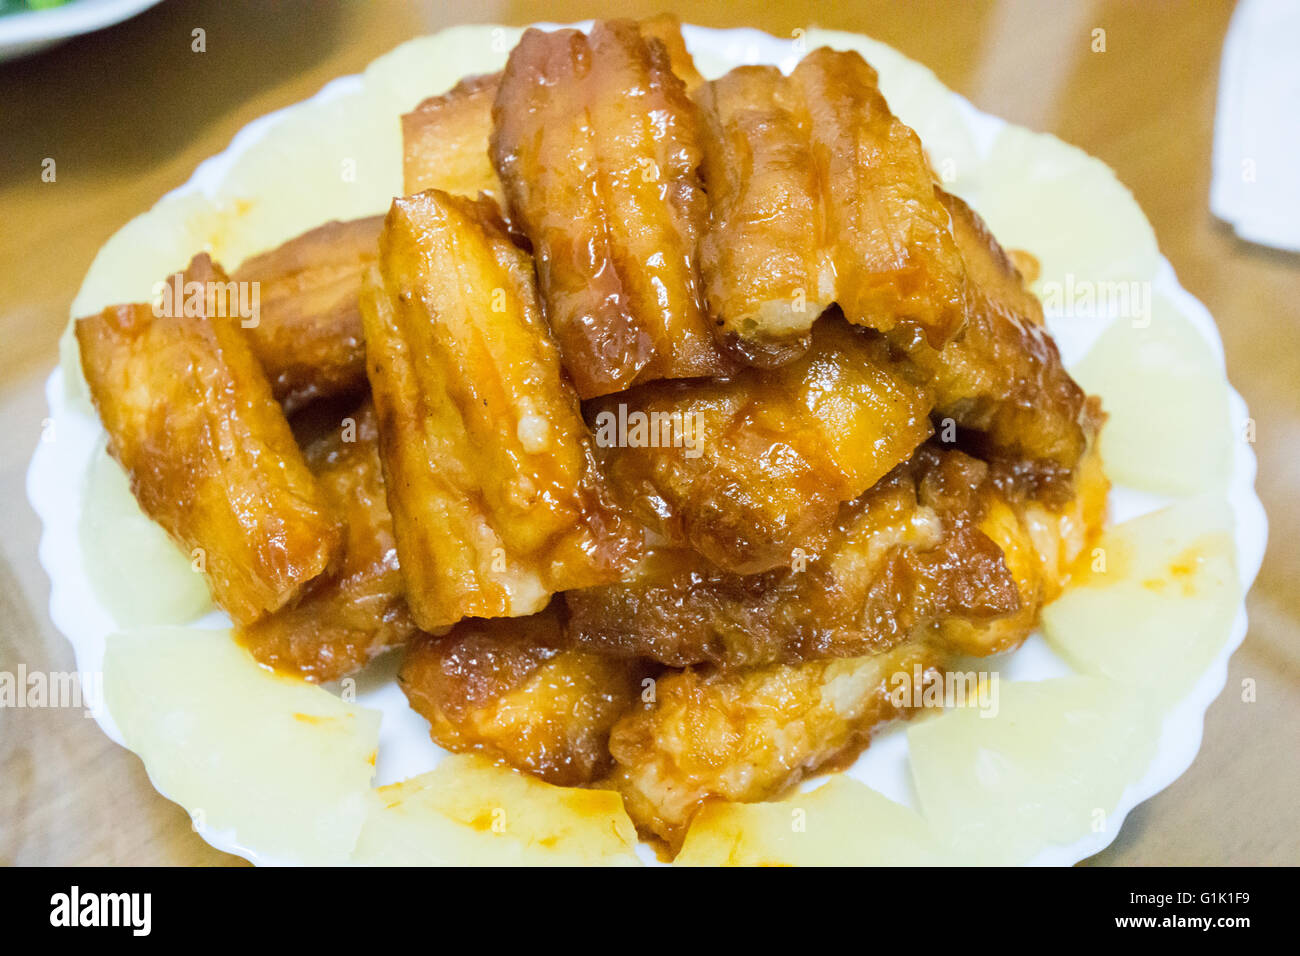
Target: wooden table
column 127, row 114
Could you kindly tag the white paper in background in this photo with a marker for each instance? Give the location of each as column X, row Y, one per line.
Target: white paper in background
column 1257, row 127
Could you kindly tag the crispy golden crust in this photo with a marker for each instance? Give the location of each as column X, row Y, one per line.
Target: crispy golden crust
column 818, row 194
column 767, row 274
column 1003, row 376
column 308, row 335
column 667, row 29
column 515, row 689
column 905, row 556
column 750, row 734
column 896, row 264
column 357, row 609
column 495, row 496
column 445, row 138
column 594, row 139
column 190, row 416
column 445, row 141
column 760, row 463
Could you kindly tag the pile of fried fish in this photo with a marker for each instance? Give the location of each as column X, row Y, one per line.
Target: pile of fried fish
column 887, row 468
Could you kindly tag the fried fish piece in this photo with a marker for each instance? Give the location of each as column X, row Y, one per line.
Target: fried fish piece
column 750, row 734
column 897, row 266
column 356, row 609
column 1002, row 376
column 445, row 138
column 767, row 271
column 494, row 491
column 907, row 555
column 445, row 141
column 308, row 333
column 817, row 194
column 595, row 141
column 518, row 691
column 749, row 469
column 210, row 455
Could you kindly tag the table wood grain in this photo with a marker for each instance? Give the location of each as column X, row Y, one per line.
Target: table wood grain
column 128, row 113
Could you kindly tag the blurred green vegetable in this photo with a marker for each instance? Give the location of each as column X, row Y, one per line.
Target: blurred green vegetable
column 17, row 6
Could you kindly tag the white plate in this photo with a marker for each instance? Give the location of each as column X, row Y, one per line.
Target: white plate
column 32, row 30
column 58, row 470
